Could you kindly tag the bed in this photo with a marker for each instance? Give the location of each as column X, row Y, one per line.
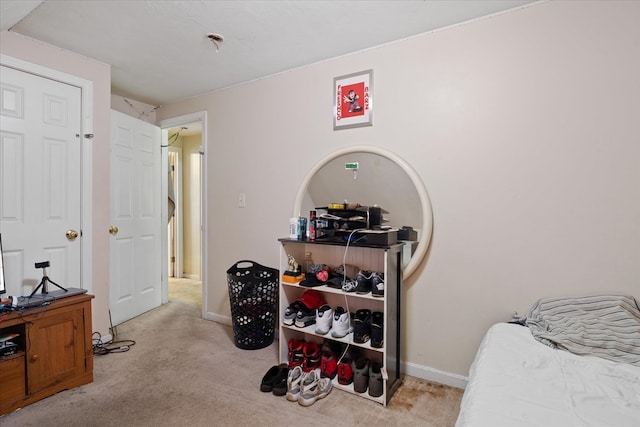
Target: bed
column 524, row 374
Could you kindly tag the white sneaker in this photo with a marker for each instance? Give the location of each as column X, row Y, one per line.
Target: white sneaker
column 324, row 319
column 313, row 388
column 341, row 323
column 293, row 383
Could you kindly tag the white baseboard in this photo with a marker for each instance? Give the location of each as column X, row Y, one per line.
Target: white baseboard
column 215, row 317
column 191, row 276
column 415, row 370
column 435, row 375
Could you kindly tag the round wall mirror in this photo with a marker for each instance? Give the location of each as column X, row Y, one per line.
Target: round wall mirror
column 372, row 176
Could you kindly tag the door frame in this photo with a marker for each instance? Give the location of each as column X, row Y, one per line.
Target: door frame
column 86, row 202
column 165, row 125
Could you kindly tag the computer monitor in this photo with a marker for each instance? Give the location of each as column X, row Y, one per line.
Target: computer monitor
column 3, row 288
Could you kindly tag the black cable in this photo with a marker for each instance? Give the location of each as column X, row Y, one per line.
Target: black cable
column 100, row 348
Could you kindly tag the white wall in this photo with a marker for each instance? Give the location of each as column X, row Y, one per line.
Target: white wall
column 524, row 129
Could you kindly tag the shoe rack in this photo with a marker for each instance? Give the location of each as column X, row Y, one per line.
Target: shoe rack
column 382, row 259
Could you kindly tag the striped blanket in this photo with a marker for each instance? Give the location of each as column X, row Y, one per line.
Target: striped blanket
column 607, row 326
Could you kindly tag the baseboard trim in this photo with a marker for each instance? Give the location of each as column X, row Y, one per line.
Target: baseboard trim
column 413, row 369
column 435, row 375
column 215, row 317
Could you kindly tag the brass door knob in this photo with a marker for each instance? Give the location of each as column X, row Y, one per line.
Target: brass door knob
column 71, row 235
column 113, row 230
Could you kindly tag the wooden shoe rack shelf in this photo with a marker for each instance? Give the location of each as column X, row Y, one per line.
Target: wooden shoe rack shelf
column 381, row 259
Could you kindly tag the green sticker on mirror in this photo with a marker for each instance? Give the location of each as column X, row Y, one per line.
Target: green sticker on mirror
column 349, row 166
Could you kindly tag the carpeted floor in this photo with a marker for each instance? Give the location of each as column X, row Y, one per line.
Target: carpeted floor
column 186, row 371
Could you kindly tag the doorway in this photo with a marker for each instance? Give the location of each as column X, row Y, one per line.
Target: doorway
column 183, row 163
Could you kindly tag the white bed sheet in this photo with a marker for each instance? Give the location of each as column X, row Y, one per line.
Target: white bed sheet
column 517, row 381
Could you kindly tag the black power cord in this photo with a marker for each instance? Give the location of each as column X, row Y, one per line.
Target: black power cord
column 101, row 348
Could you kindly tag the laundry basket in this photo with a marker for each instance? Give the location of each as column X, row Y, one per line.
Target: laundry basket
column 253, row 296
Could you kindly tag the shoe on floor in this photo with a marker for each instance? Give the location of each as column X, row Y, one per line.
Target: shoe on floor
column 275, row 380
column 313, row 388
column 294, row 379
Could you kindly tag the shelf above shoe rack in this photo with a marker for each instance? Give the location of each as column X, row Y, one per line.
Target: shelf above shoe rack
column 383, row 259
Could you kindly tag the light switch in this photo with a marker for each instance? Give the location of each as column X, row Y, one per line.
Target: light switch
column 242, row 202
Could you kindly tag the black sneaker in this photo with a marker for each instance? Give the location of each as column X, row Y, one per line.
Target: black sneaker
column 377, row 284
column 377, row 328
column 376, row 385
column 362, row 326
column 363, row 282
column 305, row 317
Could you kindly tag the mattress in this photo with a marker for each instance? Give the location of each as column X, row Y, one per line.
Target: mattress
column 518, row 381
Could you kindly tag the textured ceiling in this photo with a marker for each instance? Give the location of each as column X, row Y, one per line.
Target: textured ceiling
column 159, row 51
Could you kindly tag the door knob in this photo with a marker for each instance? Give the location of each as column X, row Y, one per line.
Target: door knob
column 113, row 230
column 71, row 235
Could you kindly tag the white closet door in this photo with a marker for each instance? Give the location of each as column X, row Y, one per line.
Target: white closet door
column 135, row 250
column 40, row 180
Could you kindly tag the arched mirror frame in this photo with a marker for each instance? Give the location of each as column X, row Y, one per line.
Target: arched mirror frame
column 425, row 202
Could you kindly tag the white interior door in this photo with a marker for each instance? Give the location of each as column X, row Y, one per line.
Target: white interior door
column 135, row 249
column 40, row 180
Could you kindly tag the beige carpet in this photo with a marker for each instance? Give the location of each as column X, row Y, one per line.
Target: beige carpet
column 186, row 371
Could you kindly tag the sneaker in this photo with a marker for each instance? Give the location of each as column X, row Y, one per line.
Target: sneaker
column 362, row 326
column 291, row 312
column 345, row 370
column 293, row 383
column 313, row 388
column 328, row 363
column 363, row 282
column 296, row 352
column 349, row 285
column 324, row 319
column 361, row 375
column 311, row 356
column 341, row 323
column 266, row 385
column 377, row 323
column 376, row 384
column 377, row 285
column 305, row 317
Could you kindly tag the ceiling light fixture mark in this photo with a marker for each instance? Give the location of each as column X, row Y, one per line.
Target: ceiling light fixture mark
column 216, row 39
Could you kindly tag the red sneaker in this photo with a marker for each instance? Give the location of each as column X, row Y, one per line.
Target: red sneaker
column 311, row 356
column 328, row 363
column 296, row 352
column 345, row 370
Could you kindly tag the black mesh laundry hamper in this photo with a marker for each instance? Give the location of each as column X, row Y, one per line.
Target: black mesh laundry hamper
column 253, row 295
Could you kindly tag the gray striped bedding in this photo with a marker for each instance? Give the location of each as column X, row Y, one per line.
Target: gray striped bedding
column 606, row 326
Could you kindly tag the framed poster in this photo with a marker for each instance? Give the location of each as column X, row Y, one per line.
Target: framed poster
column 353, row 100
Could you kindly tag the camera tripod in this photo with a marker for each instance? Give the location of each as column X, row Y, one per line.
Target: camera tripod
column 44, row 283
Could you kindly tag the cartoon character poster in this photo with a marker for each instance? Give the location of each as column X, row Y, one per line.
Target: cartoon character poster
column 353, row 102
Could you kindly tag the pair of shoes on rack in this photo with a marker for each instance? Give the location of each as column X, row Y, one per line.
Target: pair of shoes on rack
column 341, row 324
column 369, row 326
column 368, row 375
column 304, row 354
column 275, row 380
column 365, row 282
column 302, row 312
column 306, row 387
